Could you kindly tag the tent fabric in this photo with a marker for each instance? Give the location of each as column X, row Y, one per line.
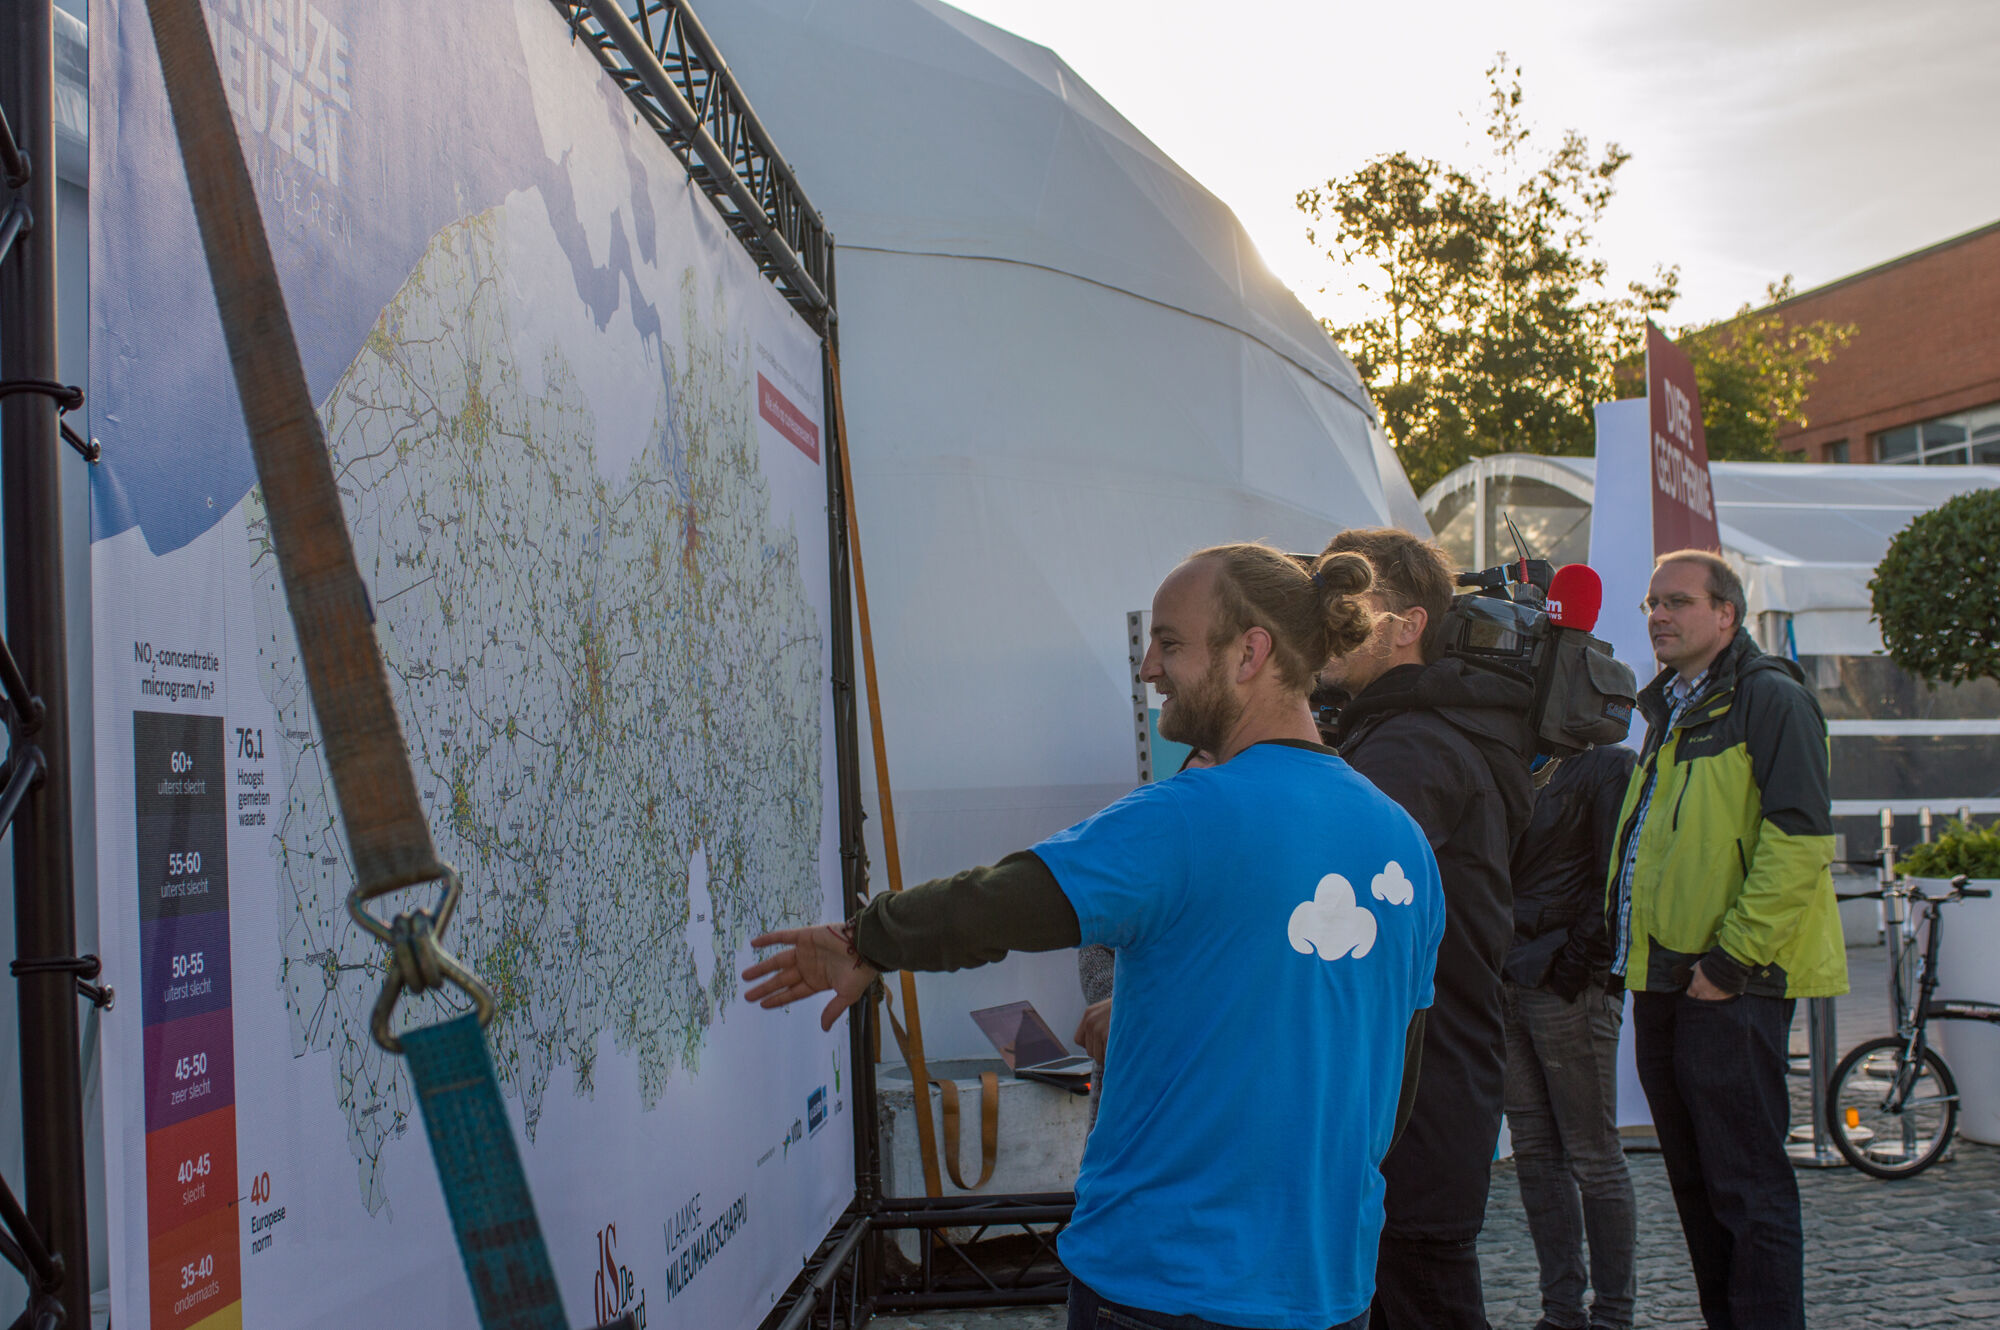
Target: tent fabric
column 1065, row 368
column 1805, row 537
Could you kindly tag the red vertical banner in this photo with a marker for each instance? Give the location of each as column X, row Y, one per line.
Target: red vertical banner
column 1683, row 497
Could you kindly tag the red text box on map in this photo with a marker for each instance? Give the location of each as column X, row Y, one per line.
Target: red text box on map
column 784, row 416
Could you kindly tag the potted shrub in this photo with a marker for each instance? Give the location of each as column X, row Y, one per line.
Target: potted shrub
column 1966, row 965
column 1933, row 592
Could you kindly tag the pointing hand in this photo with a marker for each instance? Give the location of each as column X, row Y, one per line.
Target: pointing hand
column 814, row 960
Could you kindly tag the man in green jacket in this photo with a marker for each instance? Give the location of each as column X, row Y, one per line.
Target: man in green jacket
column 1722, row 915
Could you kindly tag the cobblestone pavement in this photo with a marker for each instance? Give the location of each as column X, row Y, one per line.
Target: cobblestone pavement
column 1918, row 1253
column 1922, row 1252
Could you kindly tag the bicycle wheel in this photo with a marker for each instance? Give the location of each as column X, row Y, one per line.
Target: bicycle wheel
column 1888, row 1118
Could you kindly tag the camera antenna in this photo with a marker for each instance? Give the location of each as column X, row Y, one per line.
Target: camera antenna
column 1520, row 545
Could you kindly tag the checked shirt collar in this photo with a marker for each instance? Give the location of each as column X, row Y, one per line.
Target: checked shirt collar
column 1681, row 693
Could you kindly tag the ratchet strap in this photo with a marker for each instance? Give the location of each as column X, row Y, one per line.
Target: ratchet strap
column 911, row 1042
column 989, row 1112
column 989, row 1128
column 388, row 836
column 484, row 1187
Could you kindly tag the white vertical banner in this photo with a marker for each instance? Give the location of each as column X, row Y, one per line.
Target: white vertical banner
column 1621, row 550
column 1621, row 532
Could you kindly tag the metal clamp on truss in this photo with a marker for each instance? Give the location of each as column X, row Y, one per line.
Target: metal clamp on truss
column 418, row 962
column 67, row 396
column 85, row 968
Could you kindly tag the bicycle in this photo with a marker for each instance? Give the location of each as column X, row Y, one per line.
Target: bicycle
column 1892, row 1103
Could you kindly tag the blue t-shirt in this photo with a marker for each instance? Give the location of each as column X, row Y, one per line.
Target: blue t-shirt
column 1277, row 922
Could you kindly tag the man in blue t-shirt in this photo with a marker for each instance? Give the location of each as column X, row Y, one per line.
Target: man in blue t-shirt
column 1276, row 920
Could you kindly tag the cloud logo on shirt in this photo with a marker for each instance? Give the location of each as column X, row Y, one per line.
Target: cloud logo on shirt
column 1331, row 923
column 1393, row 886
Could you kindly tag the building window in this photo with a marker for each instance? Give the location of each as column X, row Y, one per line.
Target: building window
column 1986, row 444
column 1835, row 451
column 1955, row 440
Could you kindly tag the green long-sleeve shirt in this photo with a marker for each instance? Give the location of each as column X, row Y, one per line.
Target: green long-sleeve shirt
column 978, row 916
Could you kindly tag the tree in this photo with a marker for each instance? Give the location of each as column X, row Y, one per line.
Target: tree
column 1755, row 371
column 1933, row 591
column 1494, row 327
column 1426, row 230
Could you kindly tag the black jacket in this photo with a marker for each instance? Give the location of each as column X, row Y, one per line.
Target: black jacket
column 1560, row 939
column 1450, row 742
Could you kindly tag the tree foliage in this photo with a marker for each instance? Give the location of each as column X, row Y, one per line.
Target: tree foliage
column 1755, row 371
column 1494, row 326
column 1936, row 593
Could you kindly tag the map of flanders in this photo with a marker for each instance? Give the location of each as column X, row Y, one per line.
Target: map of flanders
column 609, row 676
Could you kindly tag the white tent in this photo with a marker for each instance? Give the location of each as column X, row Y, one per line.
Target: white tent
column 1065, row 368
column 1806, row 538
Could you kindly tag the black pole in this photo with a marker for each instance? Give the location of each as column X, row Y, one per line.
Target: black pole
column 847, row 743
column 44, row 871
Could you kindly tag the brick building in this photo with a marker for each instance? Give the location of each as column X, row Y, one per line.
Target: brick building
column 1920, row 381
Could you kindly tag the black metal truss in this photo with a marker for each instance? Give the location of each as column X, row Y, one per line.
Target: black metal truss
column 830, row 1293
column 46, row 1233
column 1008, row 1259
column 659, row 54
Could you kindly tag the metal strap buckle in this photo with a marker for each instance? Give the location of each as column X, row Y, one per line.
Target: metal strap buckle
column 418, row 960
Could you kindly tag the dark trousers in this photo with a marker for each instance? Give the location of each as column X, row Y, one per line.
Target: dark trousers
column 1714, row 1074
column 1425, row 1284
column 1562, row 1107
column 1087, row 1311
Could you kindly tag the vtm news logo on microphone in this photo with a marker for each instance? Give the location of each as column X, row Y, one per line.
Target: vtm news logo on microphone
column 614, row 1291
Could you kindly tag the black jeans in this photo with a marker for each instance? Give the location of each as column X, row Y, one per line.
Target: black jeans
column 1714, row 1074
column 1562, row 1105
column 1087, row 1311
column 1425, row 1284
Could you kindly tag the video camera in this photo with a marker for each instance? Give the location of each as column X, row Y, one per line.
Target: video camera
column 1504, row 619
column 1532, row 620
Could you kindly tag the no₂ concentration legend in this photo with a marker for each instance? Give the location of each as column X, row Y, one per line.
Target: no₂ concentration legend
column 182, row 806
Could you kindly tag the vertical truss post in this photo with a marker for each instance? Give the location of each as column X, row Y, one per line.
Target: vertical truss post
column 30, row 453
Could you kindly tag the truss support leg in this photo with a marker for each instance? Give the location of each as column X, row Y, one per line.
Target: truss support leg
column 31, row 449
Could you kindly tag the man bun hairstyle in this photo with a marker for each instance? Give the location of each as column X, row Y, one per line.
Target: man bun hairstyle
column 1310, row 605
column 1723, row 583
column 1409, row 574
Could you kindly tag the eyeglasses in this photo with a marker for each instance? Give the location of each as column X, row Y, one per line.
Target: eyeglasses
column 1671, row 604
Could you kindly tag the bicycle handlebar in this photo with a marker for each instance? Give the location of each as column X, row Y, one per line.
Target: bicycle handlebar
column 1958, row 890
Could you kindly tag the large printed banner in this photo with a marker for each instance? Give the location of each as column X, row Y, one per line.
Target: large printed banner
column 1683, row 497
column 579, row 442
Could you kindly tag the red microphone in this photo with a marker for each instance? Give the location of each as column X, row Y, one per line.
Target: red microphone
column 1576, row 594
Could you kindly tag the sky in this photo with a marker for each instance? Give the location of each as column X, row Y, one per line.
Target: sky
column 1810, row 137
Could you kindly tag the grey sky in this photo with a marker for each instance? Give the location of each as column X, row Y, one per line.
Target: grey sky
column 1768, row 136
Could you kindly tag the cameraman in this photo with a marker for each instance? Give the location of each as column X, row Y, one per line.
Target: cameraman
column 1449, row 741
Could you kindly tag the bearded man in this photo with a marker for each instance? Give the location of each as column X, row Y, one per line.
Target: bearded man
column 1273, row 912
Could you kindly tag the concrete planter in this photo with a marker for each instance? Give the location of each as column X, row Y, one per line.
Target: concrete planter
column 1042, row 1132
column 1969, row 966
